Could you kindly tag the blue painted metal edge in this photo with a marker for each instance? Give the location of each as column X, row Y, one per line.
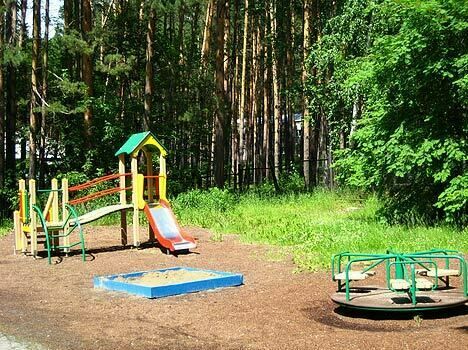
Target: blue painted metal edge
column 223, row 280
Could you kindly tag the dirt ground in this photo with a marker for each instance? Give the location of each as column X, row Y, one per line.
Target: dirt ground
column 56, row 306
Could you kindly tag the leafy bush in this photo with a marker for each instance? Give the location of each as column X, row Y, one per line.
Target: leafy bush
column 411, row 143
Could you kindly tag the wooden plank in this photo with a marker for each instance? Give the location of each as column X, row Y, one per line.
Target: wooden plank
column 32, row 213
column 66, row 240
column 123, row 200
column 399, row 284
column 17, row 226
column 99, row 213
column 422, row 283
column 136, row 223
column 55, row 207
column 353, row 275
column 24, row 238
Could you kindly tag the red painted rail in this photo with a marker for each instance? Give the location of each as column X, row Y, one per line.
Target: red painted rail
column 96, row 181
column 99, row 194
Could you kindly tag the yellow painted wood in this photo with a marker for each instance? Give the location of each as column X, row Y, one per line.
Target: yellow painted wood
column 22, row 190
column 18, row 233
column 48, row 206
column 32, row 213
column 140, row 191
column 162, row 177
column 55, row 203
column 65, row 199
column 149, row 140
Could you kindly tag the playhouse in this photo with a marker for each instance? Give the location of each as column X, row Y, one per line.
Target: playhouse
column 59, row 220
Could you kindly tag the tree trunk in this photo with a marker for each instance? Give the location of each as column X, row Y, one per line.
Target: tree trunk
column 2, row 109
column 24, row 70
column 220, row 119
column 267, row 96
column 207, row 32
column 149, row 86
column 234, row 98
column 34, row 88
column 45, row 65
column 276, row 97
column 87, row 71
column 67, row 25
column 305, row 105
column 242, row 114
column 11, row 105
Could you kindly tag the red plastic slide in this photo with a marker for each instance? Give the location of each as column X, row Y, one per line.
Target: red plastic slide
column 166, row 229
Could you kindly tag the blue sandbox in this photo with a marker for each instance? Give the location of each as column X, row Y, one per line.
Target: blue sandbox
column 221, row 280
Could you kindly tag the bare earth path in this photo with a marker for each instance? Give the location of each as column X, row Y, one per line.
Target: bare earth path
column 57, row 307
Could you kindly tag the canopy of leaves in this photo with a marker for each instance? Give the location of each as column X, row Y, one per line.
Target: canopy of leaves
column 411, row 142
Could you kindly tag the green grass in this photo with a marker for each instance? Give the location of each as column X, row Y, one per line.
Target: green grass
column 5, row 227
column 313, row 226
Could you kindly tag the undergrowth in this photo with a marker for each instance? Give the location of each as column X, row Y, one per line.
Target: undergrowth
column 313, row 225
column 6, row 227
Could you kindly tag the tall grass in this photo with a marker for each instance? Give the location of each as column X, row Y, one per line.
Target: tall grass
column 314, row 226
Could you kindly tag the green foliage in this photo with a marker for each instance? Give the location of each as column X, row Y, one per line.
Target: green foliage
column 410, row 144
column 5, row 227
column 206, row 207
column 313, row 226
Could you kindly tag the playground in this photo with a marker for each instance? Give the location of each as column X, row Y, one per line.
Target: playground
column 56, row 306
column 48, row 296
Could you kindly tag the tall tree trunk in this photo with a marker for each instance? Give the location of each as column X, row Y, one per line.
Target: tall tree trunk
column 149, row 67
column 276, row 97
column 220, row 119
column 24, row 70
column 233, row 97
column 256, row 101
column 316, row 119
column 87, row 70
column 289, row 138
column 68, row 6
column 207, row 32
column 45, row 65
column 267, row 95
column 34, row 88
column 305, row 105
column 2, row 108
column 11, row 105
column 243, row 93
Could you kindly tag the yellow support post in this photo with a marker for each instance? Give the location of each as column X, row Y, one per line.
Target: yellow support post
column 55, row 201
column 17, row 226
column 66, row 240
column 33, row 220
column 24, row 238
column 162, row 177
column 136, row 222
column 54, row 214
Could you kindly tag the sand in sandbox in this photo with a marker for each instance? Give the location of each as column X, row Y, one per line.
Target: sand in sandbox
column 157, row 278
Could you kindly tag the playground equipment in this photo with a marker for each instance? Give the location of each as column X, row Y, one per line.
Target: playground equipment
column 55, row 229
column 414, row 282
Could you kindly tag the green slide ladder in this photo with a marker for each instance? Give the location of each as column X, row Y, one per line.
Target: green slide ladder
column 67, row 229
